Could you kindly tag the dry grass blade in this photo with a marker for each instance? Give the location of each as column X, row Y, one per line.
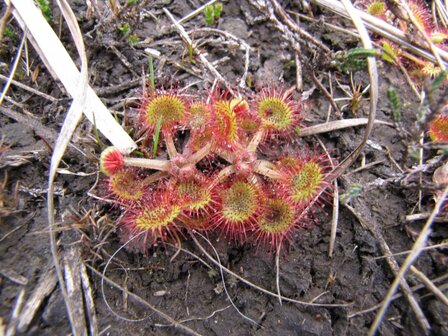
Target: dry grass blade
column 44, row 288
column 334, row 219
column 337, row 125
column 13, row 69
column 70, row 123
column 15, row 314
column 382, row 28
column 413, row 255
column 72, row 275
column 277, row 273
column 61, row 66
column 442, row 12
column 373, row 76
column 89, row 302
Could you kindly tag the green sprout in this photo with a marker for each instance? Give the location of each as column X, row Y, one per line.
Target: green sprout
column 44, row 6
column 159, row 121
column 212, row 13
column 438, row 81
column 133, row 39
column 152, row 80
column 394, row 104
column 354, row 59
column 124, row 28
column 354, row 191
column 8, row 32
column 415, row 154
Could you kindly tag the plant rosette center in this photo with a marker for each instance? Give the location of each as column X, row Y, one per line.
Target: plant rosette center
column 214, row 169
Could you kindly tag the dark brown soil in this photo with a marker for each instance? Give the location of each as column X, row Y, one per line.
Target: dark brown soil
column 183, row 287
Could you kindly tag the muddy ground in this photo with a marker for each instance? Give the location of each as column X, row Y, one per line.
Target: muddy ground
column 183, row 287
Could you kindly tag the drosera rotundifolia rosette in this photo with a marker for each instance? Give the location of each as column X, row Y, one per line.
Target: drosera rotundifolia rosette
column 215, row 174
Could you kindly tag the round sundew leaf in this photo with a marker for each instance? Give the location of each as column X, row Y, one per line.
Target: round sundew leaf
column 277, row 217
column 225, row 123
column 156, row 217
column 111, row 161
column 125, row 186
column 438, row 129
column 192, row 195
column 376, row 8
column 239, row 202
column 306, row 183
column 275, row 113
column 421, row 13
column 168, row 108
column 199, row 116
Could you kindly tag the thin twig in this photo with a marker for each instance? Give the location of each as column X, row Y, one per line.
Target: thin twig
column 241, row 42
column 371, row 225
column 329, row 97
column 29, row 89
column 294, row 27
column 247, row 282
column 277, row 273
column 223, row 280
column 399, row 295
column 195, row 12
column 145, row 303
column 427, row 248
column 189, row 42
column 413, row 255
column 430, row 285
